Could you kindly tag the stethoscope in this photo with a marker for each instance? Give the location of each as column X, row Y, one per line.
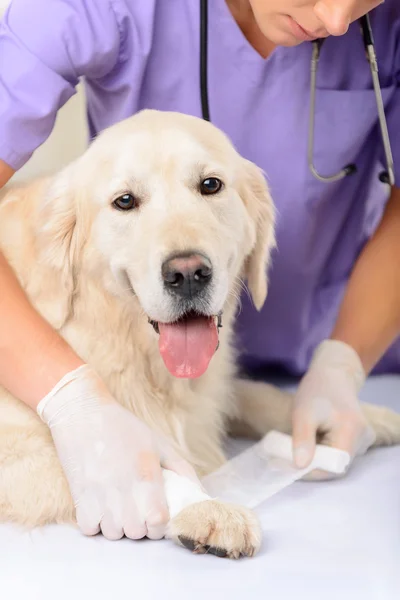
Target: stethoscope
column 386, row 176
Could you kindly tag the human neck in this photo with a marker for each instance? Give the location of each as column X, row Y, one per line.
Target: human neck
column 243, row 14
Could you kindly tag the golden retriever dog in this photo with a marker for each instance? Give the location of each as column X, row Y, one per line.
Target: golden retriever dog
column 136, row 253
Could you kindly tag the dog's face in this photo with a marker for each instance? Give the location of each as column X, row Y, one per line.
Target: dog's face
column 174, row 214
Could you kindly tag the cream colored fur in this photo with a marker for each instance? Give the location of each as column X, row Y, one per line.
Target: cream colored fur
column 94, row 273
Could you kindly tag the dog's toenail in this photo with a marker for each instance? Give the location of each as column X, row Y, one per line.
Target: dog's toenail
column 187, row 542
column 220, row 552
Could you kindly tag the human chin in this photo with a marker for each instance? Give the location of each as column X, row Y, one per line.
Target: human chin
column 280, row 32
column 280, row 37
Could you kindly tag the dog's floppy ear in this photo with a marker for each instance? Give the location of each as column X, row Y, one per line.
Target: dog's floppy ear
column 257, row 199
column 58, row 239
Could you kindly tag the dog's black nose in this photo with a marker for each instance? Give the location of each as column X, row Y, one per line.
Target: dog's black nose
column 186, row 275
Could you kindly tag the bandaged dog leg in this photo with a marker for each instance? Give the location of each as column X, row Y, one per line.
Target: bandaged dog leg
column 181, row 492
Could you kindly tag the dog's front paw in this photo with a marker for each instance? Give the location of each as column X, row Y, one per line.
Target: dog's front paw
column 215, row 527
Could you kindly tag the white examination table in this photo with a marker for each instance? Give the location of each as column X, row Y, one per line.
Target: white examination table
column 322, row 541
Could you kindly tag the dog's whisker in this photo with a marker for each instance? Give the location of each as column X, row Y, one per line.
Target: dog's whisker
column 238, row 300
column 243, row 286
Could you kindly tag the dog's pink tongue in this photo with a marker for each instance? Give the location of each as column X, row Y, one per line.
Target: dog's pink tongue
column 188, row 346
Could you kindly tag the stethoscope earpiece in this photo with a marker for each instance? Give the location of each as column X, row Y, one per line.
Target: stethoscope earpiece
column 384, row 177
column 350, row 169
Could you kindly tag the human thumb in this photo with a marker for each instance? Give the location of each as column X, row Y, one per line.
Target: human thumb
column 304, row 440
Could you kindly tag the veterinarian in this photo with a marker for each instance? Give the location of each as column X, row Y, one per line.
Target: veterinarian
column 333, row 311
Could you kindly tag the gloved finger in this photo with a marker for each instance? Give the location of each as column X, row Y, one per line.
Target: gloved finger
column 366, row 441
column 353, row 436
column 150, row 495
column 348, row 435
column 153, row 508
column 89, row 513
column 111, row 522
column 328, row 440
column 304, row 439
column 318, row 474
column 111, row 526
column 134, row 526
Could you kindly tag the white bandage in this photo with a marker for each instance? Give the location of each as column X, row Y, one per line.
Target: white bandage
column 266, row 468
column 325, row 458
column 181, row 492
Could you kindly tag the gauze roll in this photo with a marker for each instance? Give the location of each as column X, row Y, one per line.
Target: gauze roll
column 267, row 467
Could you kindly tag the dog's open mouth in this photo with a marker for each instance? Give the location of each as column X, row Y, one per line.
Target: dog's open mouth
column 188, row 345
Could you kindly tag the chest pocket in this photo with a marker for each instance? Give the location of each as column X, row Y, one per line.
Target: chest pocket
column 347, row 132
column 344, row 122
column 345, row 213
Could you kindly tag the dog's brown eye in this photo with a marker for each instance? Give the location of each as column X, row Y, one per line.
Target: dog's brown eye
column 125, row 202
column 211, row 185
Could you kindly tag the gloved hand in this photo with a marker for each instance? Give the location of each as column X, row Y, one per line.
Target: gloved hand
column 326, row 406
column 111, row 459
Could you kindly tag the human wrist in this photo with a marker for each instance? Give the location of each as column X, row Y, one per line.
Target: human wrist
column 29, row 372
column 78, row 393
column 336, row 354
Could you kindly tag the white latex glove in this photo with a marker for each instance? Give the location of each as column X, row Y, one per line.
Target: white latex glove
column 111, row 459
column 326, row 404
